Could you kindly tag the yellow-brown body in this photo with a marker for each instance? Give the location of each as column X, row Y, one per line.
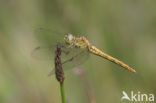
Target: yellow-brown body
column 98, row 52
column 83, row 43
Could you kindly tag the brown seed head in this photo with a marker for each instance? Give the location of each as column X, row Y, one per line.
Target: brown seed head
column 58, row 64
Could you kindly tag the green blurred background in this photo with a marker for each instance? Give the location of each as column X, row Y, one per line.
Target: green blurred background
column 125, row 29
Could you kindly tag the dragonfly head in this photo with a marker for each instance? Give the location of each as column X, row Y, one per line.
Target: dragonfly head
column 69, row 38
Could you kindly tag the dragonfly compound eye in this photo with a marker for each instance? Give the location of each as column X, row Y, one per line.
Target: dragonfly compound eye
column 68, row 38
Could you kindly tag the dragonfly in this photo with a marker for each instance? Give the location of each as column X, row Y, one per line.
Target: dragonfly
column 76, row 49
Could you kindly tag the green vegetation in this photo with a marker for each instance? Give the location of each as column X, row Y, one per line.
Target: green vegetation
column 125, row 29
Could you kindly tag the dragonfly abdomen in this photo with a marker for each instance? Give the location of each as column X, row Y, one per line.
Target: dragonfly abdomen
column 98, row 52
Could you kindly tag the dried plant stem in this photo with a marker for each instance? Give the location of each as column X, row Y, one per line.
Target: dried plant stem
column 89, row 91
column 59, row 71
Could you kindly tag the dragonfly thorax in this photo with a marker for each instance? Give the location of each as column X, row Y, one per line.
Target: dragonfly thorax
column 80, row 42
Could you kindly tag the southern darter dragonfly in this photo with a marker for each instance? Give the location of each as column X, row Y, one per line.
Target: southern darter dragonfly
column 75, row 50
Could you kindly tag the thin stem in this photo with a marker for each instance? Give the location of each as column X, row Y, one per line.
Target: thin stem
column 62, row 92
column 59, row 71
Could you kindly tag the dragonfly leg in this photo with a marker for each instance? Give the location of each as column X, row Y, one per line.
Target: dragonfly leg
column 66, row 52
column 71, row 45
column 69, row 60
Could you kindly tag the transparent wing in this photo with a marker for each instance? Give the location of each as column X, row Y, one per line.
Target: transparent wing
column 43, row 52
column 49, row 40
column 71, row 57
column 48, row 36
column 48, row 52
column 76, row 57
